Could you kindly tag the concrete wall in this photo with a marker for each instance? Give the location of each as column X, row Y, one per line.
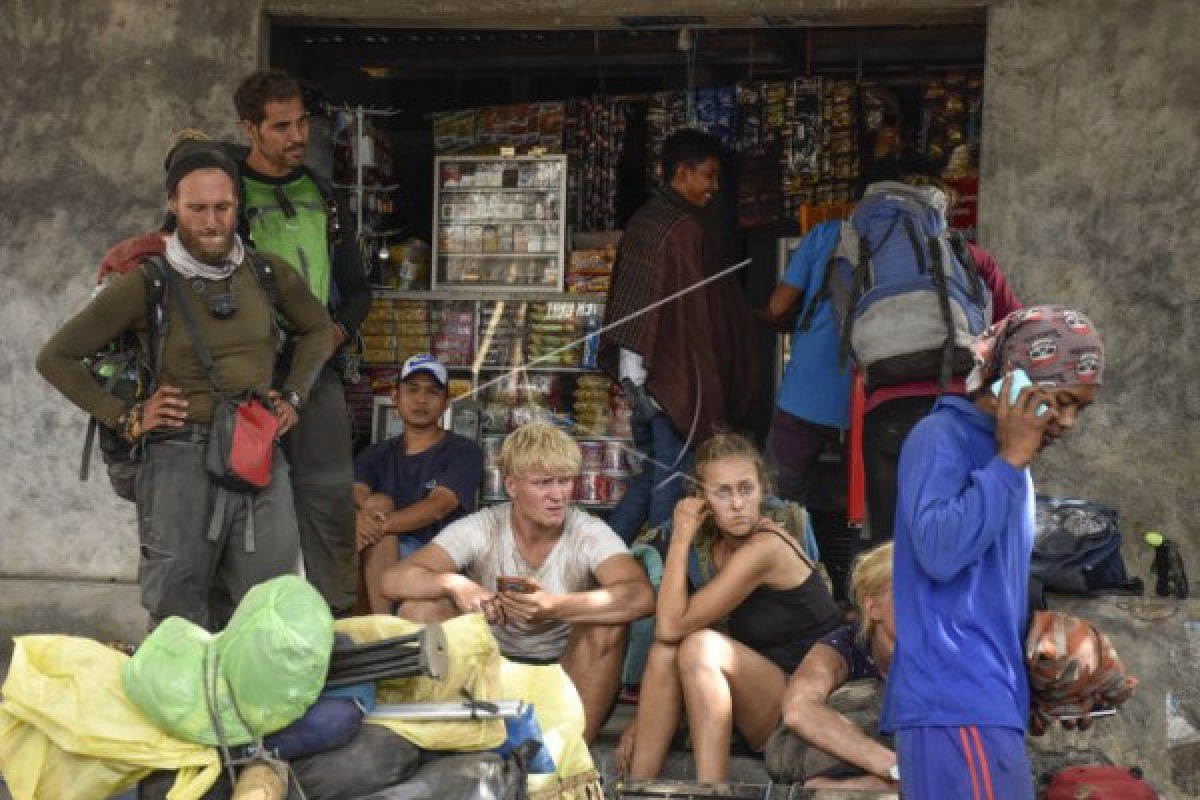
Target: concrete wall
column 1090, row 198
column 92, row 93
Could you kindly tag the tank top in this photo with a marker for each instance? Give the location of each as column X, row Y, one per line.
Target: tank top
column 782, row 624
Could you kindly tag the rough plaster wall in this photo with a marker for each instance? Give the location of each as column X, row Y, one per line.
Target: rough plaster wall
column 1090, row 198
column 92, row 93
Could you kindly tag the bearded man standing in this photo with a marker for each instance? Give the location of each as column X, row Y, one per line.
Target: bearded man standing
column 196, row 545
column 292, row 212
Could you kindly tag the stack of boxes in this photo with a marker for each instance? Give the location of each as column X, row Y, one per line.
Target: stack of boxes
column 395, row 330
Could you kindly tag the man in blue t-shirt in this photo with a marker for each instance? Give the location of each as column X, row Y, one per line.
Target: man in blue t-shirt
column 813, row 404
column 411, row 486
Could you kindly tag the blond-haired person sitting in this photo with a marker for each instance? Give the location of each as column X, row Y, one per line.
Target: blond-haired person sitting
column 555, row 582
column 830, row 735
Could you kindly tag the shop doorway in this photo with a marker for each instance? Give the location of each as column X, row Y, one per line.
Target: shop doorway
column 801, row 111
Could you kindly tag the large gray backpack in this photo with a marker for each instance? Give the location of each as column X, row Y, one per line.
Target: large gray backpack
column 905, row 291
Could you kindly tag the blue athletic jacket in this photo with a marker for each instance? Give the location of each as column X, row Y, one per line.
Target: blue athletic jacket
column 964, row 532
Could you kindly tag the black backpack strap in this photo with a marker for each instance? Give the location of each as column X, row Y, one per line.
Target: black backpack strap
column 329, row 195
column 810, row 310
column 89, row 441
column 943, row 293
column 264, row 271
column 89, row 438
column 193, row 329
column 860, row 283
column 958, row 244
column 155, row 270
column 910, row 228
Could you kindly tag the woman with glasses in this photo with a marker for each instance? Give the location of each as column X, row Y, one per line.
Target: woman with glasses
column 723, row 652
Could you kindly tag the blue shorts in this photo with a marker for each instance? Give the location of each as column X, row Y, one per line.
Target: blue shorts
column 964, row 763
column 407, row 545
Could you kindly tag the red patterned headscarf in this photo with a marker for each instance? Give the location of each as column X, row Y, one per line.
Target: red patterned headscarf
column 1053, row 344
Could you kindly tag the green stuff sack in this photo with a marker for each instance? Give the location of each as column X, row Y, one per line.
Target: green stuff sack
column 165, row 679
column 272, row 660
column 275, row 652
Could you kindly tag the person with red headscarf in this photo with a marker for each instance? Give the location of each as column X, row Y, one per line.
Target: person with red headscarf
column 957, row 696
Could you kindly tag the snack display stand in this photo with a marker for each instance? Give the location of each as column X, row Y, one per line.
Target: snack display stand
column 499, row 222
column 517, row 347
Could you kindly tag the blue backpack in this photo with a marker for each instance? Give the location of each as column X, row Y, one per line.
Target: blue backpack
column 905, row 291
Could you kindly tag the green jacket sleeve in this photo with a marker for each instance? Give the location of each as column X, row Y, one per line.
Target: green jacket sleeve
column 314, row 328
column 120, row 306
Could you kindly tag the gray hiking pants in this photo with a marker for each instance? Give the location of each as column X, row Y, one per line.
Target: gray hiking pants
column 198, row 554
column 319, row 450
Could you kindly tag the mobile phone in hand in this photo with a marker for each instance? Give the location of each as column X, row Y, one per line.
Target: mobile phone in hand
column 1095, row 713
column 1020, row 379
column 511, row 583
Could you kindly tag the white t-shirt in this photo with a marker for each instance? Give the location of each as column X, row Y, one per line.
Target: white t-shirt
column 482, row 546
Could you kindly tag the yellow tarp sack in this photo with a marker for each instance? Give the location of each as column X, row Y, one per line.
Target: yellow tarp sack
column 560, row 715
column 473, row 664
column 67, row 731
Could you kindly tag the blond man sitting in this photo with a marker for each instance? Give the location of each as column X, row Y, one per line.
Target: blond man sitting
column 557, row 585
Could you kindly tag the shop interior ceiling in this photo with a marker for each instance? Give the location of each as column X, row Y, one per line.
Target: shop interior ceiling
column 422, row 70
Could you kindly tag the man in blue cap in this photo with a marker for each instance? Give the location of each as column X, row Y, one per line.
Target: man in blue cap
column 411, row 486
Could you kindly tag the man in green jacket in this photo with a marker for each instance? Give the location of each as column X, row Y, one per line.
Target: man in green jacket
column 199, row 542
column 291, row 212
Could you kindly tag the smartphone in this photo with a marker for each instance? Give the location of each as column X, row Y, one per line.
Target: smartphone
column 509, row 583
column 1095, row 713
column 1020, row 379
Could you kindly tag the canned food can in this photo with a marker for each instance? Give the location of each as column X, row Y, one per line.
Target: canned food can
column 593, row 454
column 493, row 482
column 519, row 416
column 590, row 488
column 614, row 456
column 618, row 485
column 491, row 451
column 495, row 418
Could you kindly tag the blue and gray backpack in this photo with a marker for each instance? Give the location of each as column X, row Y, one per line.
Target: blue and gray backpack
column 905, row 291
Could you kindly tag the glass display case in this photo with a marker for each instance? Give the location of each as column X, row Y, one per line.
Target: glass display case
column 500, row 222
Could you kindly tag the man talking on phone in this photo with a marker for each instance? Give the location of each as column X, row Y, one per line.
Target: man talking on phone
column 557, row 585
column 957, row 695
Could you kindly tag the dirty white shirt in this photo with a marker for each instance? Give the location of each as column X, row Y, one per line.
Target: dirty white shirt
column 483, row 547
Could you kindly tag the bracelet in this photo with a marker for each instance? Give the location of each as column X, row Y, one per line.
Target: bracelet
column 132, row 430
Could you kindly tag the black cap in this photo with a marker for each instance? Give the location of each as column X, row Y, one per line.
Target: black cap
column 194, row 155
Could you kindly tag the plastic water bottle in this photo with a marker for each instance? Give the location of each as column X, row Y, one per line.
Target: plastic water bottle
column 591, row 344
column 1170, row 579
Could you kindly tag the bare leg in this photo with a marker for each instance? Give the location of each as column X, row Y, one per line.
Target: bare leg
column 659, row 710
column 376, row 558
column 427, row 611
column 593, row 662
column 726, row 683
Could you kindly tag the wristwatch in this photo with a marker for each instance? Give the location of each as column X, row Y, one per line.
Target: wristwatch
column 894, row 773
column 293, row 399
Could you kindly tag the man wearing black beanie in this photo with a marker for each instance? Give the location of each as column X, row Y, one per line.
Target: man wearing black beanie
column 200, row 543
